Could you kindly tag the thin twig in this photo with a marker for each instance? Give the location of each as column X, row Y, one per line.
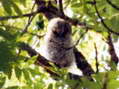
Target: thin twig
column 19, row 16
column 39, row 36
column 77, row 22
column 96, row 58
column 28, row 24
column 29, row 20
column 77, row 42
column 81, row 36
column 113, row 5
column 102, row 21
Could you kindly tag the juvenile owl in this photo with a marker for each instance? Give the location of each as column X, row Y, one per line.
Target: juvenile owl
column 58, row 43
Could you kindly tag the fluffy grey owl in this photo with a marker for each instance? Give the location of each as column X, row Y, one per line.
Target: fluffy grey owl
column 58, row 43
column 58, row 48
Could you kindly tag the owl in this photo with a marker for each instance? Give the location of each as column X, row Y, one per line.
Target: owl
column 58, row 43
column 59, row 48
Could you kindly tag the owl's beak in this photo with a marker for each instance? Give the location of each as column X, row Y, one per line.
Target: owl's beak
column 61, row 33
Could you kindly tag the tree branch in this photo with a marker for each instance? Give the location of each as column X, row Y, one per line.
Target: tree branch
column 113, row 5
column 19, row 16
column 83, row 64
column 40, row 59
column 51, row 11
column 112, row 52
column 80, row 59
column 29, row 49
column 102, row 21
column 38, row 36
column 61, row 7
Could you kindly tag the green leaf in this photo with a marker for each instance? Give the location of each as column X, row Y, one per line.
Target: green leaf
column 76, row 5
column 6, row 34
column 113, row 84
column 18, row 72
column 13, row 87
column 2, row 81
column 50, row 86
column 90, row 84
column 32, row 60
column 23, row 2
column 113, row 75
column 27, row 76
column 7, row 6
column 7, row 53
column 34, row 72
column 16, row 8
column 8, row 71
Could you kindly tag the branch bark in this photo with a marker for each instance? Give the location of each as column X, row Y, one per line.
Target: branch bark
column 82, row 63
column 112, row 52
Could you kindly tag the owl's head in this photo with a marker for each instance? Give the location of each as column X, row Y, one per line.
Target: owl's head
column 59, row 28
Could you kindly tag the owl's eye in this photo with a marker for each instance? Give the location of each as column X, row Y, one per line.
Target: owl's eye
column 55, row 33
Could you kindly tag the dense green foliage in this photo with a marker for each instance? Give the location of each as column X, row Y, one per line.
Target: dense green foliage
column 17, row 68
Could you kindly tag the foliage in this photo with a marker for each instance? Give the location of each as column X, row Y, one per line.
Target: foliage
column 17, row 68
